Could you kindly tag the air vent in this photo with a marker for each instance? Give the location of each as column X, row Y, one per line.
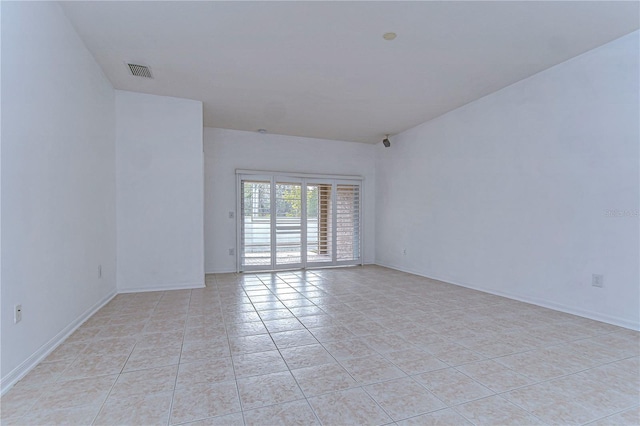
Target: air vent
column 140, row 70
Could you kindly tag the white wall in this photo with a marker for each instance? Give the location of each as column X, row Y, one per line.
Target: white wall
column 159, row 192
column 509, row 194
column 58, row 182
column 228, row 150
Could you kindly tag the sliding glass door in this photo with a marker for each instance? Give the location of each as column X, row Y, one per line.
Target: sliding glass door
column 297, row 222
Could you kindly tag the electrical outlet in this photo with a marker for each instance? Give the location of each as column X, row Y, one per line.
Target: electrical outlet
column 232, row 215
column 232, row 252
column 99, row 271
column 17, row 314
column 597, row 280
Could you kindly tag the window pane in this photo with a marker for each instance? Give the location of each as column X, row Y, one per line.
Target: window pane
column 256, row 223
column 348, row 222
column 288, row 223
column 319, row 223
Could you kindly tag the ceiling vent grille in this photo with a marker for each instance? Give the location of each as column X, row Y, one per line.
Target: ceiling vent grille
column 140, row 70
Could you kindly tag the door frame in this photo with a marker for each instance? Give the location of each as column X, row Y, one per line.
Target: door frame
column 273, row 177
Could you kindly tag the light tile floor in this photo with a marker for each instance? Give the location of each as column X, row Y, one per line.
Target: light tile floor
column 362, row 345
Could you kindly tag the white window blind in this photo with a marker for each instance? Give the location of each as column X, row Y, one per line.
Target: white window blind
column 348, row 222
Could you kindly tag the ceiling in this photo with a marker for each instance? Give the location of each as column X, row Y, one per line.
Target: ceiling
column 323, row 69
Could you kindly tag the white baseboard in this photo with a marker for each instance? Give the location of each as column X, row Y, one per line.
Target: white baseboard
column 222, row 271
column 21, row 370
column 180, row 286
column 609, row 319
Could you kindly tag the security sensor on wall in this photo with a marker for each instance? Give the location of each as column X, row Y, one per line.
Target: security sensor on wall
column 386, row 141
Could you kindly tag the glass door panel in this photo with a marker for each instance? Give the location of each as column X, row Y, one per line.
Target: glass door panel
column 255, row 250
column 347, row 222
column 319, row 223
column 288, row 235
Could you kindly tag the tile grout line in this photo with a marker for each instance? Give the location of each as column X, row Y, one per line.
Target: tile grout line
column 291, row 373
column 118, row 376
column 235, row 376
column 184, row 332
